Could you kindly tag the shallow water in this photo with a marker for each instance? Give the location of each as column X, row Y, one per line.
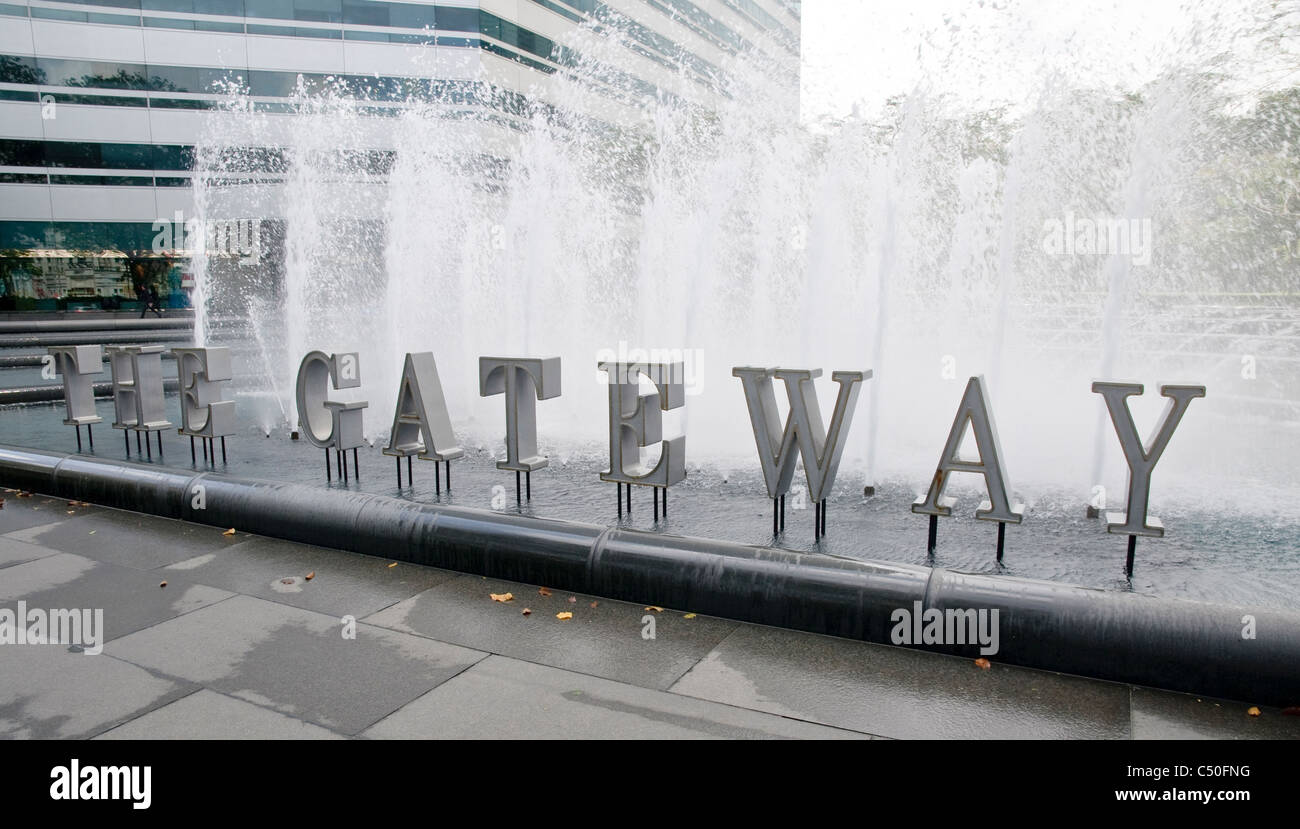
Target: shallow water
column 1245, row 560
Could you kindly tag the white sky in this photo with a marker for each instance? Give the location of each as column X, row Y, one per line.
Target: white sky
column 980, row 51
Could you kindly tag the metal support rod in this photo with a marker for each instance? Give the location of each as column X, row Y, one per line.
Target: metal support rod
column 343, row 458
column 665, row 502
column 223, row 450
column 329, row 474
column 126, row 438
column 782, row 513
column 78, row 438
column 817, row 520
column 620, row 498
column 90, row 433
column 356, row 466
column 437, row 477
column 528, row 485
column 1132, row 549
column 518, row 487
column 160, row 451
column 1002, row 538
column 193, row 458
column 934, row 535
column 448, row 477
column 147, row 447
column 825, row 504
column 399, row 472
column 629, row 499
column 410, row 477
column 655, row 493
column 137, row 441
column 775, row 523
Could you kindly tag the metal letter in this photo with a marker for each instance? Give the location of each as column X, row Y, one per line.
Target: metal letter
column 1142, row 461
column 974, row 410
column 201, row 371
column 420, row 396
column 138, row 387
column 821, row 450
column 76, row 363
column 523, row 381
column 636, row 420
column 325, row 423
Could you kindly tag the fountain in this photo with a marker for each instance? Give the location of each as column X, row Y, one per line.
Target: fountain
column 909, row 241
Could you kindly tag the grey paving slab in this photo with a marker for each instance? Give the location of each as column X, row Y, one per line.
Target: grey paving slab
column 504, row 698
column 14, row 552
column 604, row 641
column 47, row 692
column 1164, row 715
column 207, row 715
column 344, row 583
column 128, row 538
column 296, row 661
column 130, row 599
column 901, row 693
column 34, row 511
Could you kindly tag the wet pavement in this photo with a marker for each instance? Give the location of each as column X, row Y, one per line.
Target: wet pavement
column 240, row 643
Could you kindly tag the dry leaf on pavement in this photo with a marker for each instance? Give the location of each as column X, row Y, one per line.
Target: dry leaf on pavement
column 1252, row 711
column 544, row 591
column 983, row 664
column 502, row 597
column 230, row 531
column 563, row 616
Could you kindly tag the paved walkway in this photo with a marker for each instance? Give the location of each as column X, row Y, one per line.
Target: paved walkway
column 239, row 643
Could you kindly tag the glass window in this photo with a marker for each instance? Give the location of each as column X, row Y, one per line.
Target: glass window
column 186, row 6
column 366, row 14
column 458, row 20
column 230, row 8
column 412, row 15
column 276, row 9
column 319, row 11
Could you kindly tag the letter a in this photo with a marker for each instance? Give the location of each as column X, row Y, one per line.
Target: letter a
column 974, row 410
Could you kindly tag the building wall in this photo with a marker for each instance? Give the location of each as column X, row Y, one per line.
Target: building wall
column 102, row 102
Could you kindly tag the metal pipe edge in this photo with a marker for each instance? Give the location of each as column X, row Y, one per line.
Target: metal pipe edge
column 44, row 340
column 54, row 392
column 1175, row 644
column 95, row 322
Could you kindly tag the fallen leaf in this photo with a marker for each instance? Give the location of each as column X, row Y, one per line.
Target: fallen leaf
column 502, row 597
column 544, row 591
column 689, row 616
column 163, row 584
column 983, row 664
column 311, row 575
column 1252, row 711
column 92, row 532
column 594, row 604
column 230, row 531
column 72, row 512
column 573, row 599
column 566, row 615
column 22, row 494
column 1292, row 711
column 391, row 566
column 655, row 609
column 527, row 612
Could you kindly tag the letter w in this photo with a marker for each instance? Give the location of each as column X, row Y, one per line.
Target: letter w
column 821, row 449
